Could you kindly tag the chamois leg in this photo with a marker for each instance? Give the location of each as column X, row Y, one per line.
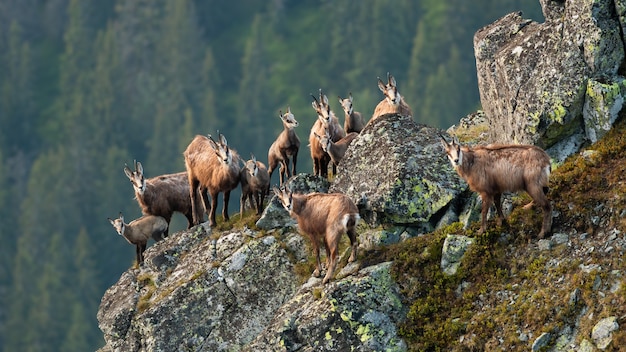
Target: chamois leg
column 498, row 201
column 282, row 172
column 259, row 197
column 212, row 221
column 206, row 203
column 316, row 252
column 487, row 201
column 242, row 205
column 293, row 163
column 225, row 208
column 331, row 252
column 316, row 167
column 193, row 194
column 538, row 194
column 353, row 243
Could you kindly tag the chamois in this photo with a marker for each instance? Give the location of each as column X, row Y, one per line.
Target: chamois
column 323, row 217
column 336, row 150
column 493, row 169
column 255, row 181
column 287, row 144
column 326, row 120
column 354, row 120
column 140, row 230
column 161, row 195
column 393, row 101
column 212, row 167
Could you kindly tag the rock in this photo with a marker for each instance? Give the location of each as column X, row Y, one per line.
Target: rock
column 538, row 81
column 198, row 302
column 358, row 313
column 602, row 106
column 396, row 172
column 454, row 248
column 541, row 341
column 602, row 332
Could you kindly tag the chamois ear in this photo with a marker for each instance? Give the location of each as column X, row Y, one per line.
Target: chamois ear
column 128, row 171
column 325, row 100
column 139, row 167
column 392, row 81
column 277, row 193
column 381, row 85
column 253, row 158
column 223, row 140
column 289, row 109
column 444, row 143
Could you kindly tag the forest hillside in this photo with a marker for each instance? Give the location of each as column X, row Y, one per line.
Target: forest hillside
column 89, row 86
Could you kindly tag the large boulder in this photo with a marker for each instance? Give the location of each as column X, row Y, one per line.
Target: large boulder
column 534, row 79
column 397, row 172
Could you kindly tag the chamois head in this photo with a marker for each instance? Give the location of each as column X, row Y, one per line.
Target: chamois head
column 453, row 151
column 251, row 166
column 285, row 196
column 346, row 104
column 390, row 90
column 324, row 140
column 221, row 149
column 288, row 119
column 118, row 224
column 136, row 177
column 322, row 107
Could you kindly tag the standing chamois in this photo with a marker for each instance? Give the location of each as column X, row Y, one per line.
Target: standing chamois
column 255, row 182
column 139, row 231
column 161, row 195
column 336, row 150
column 326, row 120
column 287, row 144
column 392, row 103
column 323, row 217
column 354, row 120
column 212, row 167
column 494, row 169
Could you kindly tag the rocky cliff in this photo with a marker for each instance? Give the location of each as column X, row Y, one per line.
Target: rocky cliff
column 423, row 279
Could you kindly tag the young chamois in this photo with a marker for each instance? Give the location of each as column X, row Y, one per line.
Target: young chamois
column 286, row 145
column 493, row 169
column 336, row 150
column 161, row 195
column 393, row 101
column 323, row 217
column 326, row 120
column 255, row 181
column 212, row 167
column 139, row 231
column 354, row 120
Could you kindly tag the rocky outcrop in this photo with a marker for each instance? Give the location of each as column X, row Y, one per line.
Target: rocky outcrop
column 238, row 290
column 542, row 83
column 396, row 172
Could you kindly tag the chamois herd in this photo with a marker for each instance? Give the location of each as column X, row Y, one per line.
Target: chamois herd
column 213, row 167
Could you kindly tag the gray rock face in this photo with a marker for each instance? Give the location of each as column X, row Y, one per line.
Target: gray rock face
column 192, row 300
column 396, row 172
column 534, row 79
column 358, row 313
